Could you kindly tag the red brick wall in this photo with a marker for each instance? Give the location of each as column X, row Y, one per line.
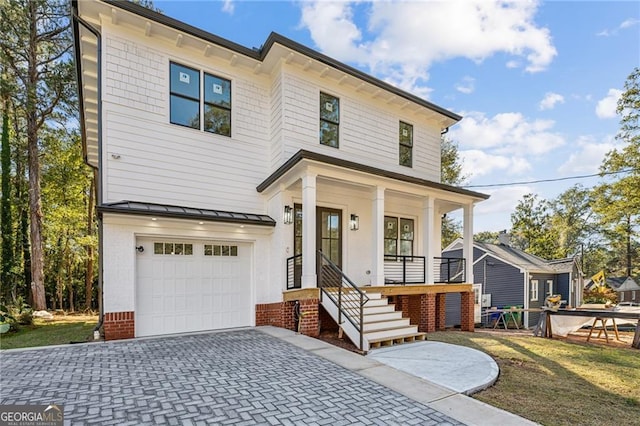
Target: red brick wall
column 118, row 325
column 427, row 313
column 309, row 317
column 269, row 314
column 412, row 309
column 281, row 314
column 441, row 311
column 467, row 322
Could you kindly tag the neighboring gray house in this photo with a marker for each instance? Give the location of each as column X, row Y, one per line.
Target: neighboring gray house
column 628, row 290
column 506, row 276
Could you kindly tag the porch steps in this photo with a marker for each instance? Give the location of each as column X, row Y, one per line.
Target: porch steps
column 382, row 324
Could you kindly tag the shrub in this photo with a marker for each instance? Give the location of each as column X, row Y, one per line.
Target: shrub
column 600, row 294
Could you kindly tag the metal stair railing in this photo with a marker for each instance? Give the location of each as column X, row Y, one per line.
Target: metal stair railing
column 349, row 299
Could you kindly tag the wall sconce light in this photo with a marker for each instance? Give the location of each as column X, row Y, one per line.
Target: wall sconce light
column 287, row 217
column 140, row 249
column 354, row 223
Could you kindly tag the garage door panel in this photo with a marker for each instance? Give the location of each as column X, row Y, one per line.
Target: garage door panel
column 182, row 293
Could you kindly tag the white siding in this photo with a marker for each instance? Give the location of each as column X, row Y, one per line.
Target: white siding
column 276, row 122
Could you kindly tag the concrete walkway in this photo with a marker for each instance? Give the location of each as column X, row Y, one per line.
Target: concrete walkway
column 445, row 400
column 461, row 369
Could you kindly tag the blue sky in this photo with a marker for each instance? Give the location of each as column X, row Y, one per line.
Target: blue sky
column 537, row 82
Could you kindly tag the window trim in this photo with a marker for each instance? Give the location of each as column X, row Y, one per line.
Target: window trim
column 402, row 144
column 550, row 288
column 533, row 289
column 321, row 120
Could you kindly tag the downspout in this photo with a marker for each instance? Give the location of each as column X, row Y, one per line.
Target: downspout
column 77, row 20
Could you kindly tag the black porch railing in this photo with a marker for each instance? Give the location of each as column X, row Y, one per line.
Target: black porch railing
column 294, row 272
column 449, row 270
column 347, row 297
column 404, row 270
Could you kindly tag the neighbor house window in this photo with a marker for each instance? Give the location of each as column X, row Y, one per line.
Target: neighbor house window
column 217, row 105
column 549, row 287
column 621, row 296
column 186, row 105
column 398, row 236
column 329, row 120
column 633, row 295
column 534, row 289
column 406, row 144
column 185, row 96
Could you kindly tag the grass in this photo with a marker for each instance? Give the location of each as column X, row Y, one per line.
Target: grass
column 61, row 330
column 556, row 382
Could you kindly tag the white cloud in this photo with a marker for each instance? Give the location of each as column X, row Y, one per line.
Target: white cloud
column 627, row 23
column 467, row 85
column 228, row 6
column 506, row 134
column 587, row 156
column 476, row 163
column 401, row 40
column 550, row 100
column 494, row 214
column 606, row 107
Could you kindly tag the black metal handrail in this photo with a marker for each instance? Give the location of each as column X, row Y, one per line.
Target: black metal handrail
column 334, row 284
column 404, row 269
column 294, row 272
column 449, row 270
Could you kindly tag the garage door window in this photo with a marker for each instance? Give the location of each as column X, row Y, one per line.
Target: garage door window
column 220, row 250
column 175, row 249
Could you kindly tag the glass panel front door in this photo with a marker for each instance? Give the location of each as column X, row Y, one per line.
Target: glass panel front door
column 329, row 234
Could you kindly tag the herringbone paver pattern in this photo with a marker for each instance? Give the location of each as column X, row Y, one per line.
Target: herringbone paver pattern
column 229, row 378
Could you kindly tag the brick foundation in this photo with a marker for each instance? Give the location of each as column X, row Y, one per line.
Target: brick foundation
column 467, row 322
column 119, row 325
column 427, row 313
column 281, row 314
column 441, row 311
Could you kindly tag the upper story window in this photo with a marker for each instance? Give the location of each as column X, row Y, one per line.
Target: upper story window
column 186, row 105
column 398, row 236
column 406, row 144
column 329, row 120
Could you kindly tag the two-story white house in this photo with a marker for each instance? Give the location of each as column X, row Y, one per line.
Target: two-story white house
column 222, row 171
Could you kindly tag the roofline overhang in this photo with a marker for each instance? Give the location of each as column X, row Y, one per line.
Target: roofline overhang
column 115, row 209
column 326, row 159
column 262, row 53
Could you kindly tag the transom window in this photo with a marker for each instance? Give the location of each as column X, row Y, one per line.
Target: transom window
column 220, row 250
column 406, row 144
column 398, row 236
column 174, row 249
column 186, row 106
column 534, row 289
column 329, row 120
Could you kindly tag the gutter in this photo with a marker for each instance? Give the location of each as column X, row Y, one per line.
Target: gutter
column 77, row 21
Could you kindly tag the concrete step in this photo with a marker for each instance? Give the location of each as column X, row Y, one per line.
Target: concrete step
column 383, row 316
column 386, row 325
column 390, row 333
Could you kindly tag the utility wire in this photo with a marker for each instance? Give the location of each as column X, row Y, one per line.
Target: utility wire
column 492, row 185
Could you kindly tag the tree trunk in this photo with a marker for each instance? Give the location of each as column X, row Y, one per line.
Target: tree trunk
column 88, row 278
column 35, row 202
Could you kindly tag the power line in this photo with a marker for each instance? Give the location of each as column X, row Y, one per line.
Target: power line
column 492, row 185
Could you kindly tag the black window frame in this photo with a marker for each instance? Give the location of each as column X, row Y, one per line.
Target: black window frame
column 327, row 120
column 183, row 96
column 405, row 143
column 216, row 105
column 398, row 237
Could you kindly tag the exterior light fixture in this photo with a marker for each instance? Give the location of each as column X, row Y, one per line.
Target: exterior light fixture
column 354, row 223
column 287, row 217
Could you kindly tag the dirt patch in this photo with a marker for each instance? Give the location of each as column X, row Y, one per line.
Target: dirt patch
column 331, row 337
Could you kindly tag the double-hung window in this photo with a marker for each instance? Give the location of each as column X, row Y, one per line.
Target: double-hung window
column 187, row 104
column 406, row 144
column 329, row 120
column 534, row 290
column 398, row 236
column 549, row 287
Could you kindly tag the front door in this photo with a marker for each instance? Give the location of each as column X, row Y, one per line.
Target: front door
column 329, row 233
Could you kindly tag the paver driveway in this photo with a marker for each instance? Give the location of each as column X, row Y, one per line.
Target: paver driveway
column 236, row 377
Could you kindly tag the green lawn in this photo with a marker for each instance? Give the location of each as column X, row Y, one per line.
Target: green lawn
column 61, row 330
column 555, row 382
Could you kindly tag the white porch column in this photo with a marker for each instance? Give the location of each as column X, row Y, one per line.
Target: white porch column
column 377, row 224
column 428, row 237
column 467, row 248
column 309, row 231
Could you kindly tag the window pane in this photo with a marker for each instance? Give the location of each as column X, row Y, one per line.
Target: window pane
column 217, row 91
column 216, row 250
column 225, row 250
column 217, row 120
column 188, row 249
column 335, row 252
column 329, row 108
column 390, row 247
column 406, row 134
column 185, row 112
column 168, row 248
column 158, row 248
column 406, row 248
column 328, row 134
column 406, row 156
column 179, row 248
column 208, row 250
column 185, row 81
column 391, row 228
column 234, row 250
column 406, row 229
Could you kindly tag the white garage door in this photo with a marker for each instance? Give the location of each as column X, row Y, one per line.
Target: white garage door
column 185, row 286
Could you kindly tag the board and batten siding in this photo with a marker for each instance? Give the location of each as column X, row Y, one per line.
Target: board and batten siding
column 369, row 128
column 146, row 158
